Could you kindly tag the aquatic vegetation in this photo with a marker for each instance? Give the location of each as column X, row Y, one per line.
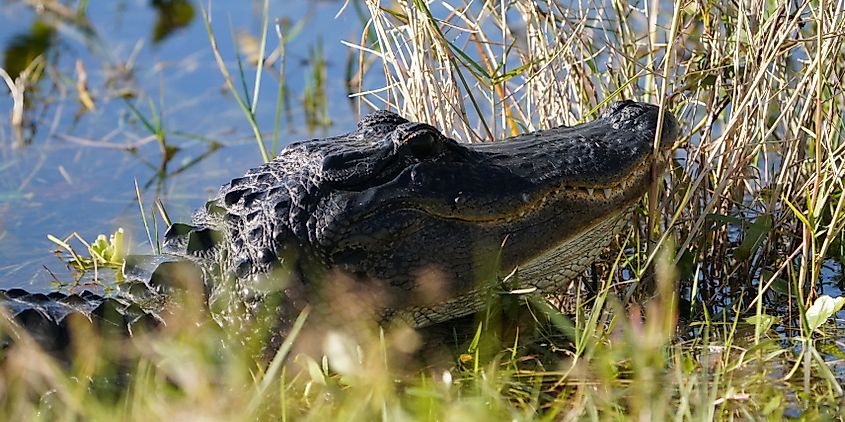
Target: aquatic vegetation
column 722, row 300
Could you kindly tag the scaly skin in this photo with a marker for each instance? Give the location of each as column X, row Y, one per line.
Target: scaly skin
column 418, row 225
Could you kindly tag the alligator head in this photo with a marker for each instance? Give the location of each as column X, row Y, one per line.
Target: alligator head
column 429, row 222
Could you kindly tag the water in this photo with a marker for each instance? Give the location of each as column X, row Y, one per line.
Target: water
column 71, row 170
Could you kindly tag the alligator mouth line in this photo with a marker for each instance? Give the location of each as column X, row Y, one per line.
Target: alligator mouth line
column 589, row 195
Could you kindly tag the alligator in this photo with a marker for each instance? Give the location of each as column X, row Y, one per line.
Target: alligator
column 417, row 226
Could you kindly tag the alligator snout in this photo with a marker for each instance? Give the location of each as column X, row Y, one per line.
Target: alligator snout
column 642, row 117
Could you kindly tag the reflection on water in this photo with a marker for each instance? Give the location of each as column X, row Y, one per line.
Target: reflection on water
column 171, row 15
column 23, row 48
column 130, row 91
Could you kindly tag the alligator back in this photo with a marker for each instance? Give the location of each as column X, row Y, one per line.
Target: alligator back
column 49, row 318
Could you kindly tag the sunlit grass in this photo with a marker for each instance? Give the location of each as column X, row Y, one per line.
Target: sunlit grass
column 748, row 216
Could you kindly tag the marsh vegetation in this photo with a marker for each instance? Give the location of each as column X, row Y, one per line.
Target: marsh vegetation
column 721, row 300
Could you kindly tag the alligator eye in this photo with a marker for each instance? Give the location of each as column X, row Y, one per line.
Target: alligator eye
column 423, row 145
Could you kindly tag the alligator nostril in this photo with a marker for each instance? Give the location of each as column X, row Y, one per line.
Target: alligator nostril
column 617, row 107
column 626, row 111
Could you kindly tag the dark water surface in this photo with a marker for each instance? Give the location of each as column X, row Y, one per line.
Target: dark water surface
column 71, row 171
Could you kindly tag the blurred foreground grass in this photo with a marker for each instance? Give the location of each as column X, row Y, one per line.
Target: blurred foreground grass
column 740, row 238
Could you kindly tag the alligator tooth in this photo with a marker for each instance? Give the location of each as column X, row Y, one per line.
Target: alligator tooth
column 522, row 291
column 590, row 191
column 608, row 193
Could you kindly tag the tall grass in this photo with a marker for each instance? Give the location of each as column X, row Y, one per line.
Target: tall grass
column 748, row 217
column 752, row 204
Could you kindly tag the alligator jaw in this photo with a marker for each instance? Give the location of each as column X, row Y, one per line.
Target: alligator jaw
column 609, row 194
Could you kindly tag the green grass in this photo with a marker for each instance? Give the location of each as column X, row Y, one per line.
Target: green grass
column 747, row 218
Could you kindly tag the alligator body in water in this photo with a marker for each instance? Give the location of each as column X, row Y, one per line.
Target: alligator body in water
column 417, row 224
